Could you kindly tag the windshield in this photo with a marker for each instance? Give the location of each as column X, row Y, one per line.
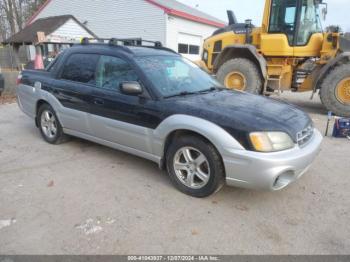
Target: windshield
column 173, row 75
column 310, row 21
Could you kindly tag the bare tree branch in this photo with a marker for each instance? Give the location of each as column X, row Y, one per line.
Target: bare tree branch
column 14, row 14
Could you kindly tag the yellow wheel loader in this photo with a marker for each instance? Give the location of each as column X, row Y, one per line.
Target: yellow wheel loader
column 289, row 51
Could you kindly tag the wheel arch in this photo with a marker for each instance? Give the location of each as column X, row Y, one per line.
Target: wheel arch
column 176, row 134
column 242, row 51
column 339, row 60
column 183, row 124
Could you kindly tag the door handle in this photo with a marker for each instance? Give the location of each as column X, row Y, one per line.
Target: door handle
column 99, row 102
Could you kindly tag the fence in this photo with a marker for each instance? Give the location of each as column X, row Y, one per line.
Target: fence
column 10, row 82
column 12, row 60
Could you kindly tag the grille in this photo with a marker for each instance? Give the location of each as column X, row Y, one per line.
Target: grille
column 305, row 135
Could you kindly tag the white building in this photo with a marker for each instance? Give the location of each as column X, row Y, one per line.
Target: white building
column 176, row 25
column 51, row 34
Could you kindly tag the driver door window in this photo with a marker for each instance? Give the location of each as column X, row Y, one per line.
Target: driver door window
column 289, row 18
column 112, row 71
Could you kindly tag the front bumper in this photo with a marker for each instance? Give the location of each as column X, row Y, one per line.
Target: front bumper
column 270, row 171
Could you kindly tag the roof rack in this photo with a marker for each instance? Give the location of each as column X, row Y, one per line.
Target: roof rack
column 121, row 41
column 126, row 42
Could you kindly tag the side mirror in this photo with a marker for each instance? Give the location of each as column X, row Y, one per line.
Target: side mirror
column 131, row 88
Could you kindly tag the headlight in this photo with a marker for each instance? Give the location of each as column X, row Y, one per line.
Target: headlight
column 271, row 141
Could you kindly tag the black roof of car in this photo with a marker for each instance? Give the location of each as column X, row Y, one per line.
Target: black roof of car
column 130, row 50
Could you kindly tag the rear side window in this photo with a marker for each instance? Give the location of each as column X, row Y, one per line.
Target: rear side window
column 81, row 68
column 52, row 66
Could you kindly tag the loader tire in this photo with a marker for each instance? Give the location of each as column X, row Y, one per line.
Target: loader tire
column 240, row 74
column 335, row 91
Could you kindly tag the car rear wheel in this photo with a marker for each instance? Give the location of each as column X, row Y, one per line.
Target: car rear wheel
column 195, row 166
column 49, row 125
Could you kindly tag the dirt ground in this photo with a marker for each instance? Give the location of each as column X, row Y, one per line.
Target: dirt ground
column 7, row 99
column 82, row 198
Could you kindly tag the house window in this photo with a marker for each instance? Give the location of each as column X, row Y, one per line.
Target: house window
column 194, row 49
column 188, row 49
column 183, row 49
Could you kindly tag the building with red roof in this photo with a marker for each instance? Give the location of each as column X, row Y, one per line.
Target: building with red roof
column 176, row 25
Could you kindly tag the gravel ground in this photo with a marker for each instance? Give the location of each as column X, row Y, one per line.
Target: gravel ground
column 82, row 198
column 7, row 99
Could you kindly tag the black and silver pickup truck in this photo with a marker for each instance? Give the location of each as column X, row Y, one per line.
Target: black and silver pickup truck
column 151, row 102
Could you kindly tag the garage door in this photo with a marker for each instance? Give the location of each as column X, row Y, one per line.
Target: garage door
column 189, row 45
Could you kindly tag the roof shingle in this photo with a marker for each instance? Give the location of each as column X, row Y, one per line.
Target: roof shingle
column 179, row 8
column 48, row 25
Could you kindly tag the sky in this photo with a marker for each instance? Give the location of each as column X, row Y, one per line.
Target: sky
column 338, row 10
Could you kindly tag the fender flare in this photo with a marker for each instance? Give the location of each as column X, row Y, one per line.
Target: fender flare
column 220, row 138
column 247, row 51
column 326, row 68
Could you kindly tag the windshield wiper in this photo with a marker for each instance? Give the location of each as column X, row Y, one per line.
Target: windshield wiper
column 185, row 93
column 213, row 88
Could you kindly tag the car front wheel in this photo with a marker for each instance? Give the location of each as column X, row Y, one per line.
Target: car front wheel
column 195, row 166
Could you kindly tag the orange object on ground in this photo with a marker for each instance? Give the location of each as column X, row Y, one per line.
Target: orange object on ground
column 38, row 61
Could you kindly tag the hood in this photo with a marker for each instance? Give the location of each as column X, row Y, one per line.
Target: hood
column 240, row 113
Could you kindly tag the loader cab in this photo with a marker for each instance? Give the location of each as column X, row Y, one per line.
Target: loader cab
column 292, row 28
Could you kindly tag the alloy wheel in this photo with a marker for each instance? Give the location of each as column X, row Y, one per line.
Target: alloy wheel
column 191, row 167
column 48, row 124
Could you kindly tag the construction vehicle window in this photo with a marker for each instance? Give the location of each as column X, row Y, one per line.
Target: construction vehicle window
column 290, row 15
column 283, row 18
column 309, row 22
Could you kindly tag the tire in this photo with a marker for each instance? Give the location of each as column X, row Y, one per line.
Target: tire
column 211, row 165
column 328, row 92
column 253, row 81
column 48, row 123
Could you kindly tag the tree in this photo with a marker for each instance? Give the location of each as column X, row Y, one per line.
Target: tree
column 334, row 29
column 14, row 14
